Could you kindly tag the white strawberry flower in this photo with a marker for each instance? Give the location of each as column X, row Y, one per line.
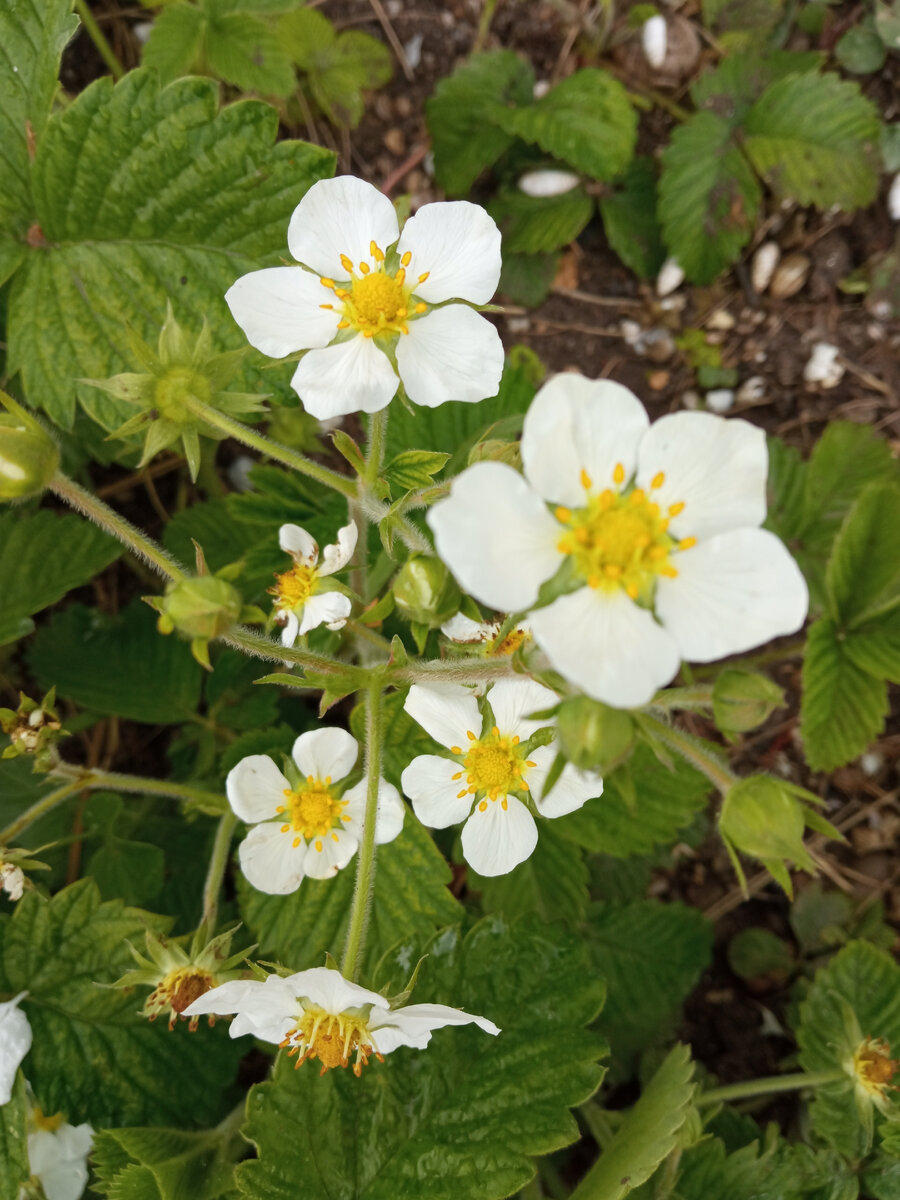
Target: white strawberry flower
column 15, row 1042
column 318, row 1014
column 302, row 601
column 657, row 529
column 369, row 303
column 57, row 1155
column 490, row 769
column 466, row 632
column 313, row 828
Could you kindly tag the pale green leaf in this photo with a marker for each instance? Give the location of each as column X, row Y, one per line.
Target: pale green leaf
column 245, row 52
column 868, row 981
column 648, row 1134
column 708, row 197
column 414, row 468
column 14, row 1169
column 338, row 78
column 861, row 51
column 756, row 951
column 875, row 646
column 461, row 1119
column 586, row 120
column 631, row 222
column 43, row 556
column 552, row 882
column 741, row 24
column 117, row 665
column 161, row 1164
column 863, row 574
column 92, row 1056
column 814, row 139
column 146, row 196
column 464, row 116
column 175, row 41
column 843, row 707
column 533, row 226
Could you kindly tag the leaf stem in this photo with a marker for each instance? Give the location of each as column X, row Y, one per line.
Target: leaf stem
column 450, row 670
column 693, row 749
column 365, row 869
column 97, row 36
column 257, row 646
column 696, row 698
column 215, row 873
column 81, row 778
column 107, row 518
column 40, row 808
column 769, row 1086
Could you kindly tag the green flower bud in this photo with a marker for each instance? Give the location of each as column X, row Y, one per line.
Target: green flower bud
column 426, row 592
column 29, row 457
column 765, row 818
column 202, row 607
column 742, row 700
column 592, row 736
column 496, row 450
column 174, row 392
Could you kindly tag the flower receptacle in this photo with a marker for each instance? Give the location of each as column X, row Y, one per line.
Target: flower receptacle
column 425, row 592
column 593, row 736
column 743, row 700
column 29, row 457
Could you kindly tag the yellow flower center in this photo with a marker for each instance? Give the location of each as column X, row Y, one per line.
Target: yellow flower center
column 175, row 390
column 376, row 302
column 873, row 1066
column 175, row 991
column 331, row 1039
column 511, row 643
column 314, row 812
column 294, row 587
column 620, row 538
column 40, row 1121
column 493, row 765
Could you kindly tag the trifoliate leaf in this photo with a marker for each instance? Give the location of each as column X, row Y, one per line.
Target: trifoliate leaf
column 156, row 1164
column 843, row 707
column 587, row 121
column 863, row 574
column 465, row 113
column 246, row 53
column 740, row 79
column 708, row 197
column 651, row 956
column 92, row 1056
column 14, row 1169
column 43, row 556
column 814, row 139
column 551, row 883
column 461, row 1119
column 145, row 195
column 630, row 219
column 414, row 469
column 533, row 226
column 175, row 41
column 117, row 665
column 648, row 1134
column 867, row 981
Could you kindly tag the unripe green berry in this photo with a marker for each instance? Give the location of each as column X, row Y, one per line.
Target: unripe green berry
column 202, row 607
column 426, row 592
column 593, row 736
column 29, row 458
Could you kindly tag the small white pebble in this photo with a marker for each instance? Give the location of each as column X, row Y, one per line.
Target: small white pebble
column 894, row 199
column 631, row 331
column 540, row 89
column 751, row 390
column 239, row 473
column 669, row 278
column 872, row 762
column 763, row 264
column 721, row 319
column 413, row 50
column 691, row 401
column 720, row 400
column 541, row 184
column 142, row 31
column 518, row 324
column 654, row 39
column 823, row 367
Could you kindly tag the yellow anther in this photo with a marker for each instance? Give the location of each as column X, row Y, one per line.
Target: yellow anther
column 612, row 570
column 658, row 479
column 658, row 553
column 471, row 736
column 285, row 828
column 281, row 807
column 405, row 260
column 525, row 785
column 347, row 263
column 401, row 276
column 376, row 251
column 420, row 307
column 335, row 838
column 632, row 590
column 458, row 775
column 331, row 306
column 318, row 845
column 329, row 283
column 676, row 509
column 464, row 792
column 456, row 749
column 402, row 314
column 404, row 329
column 638, row 496
column 368, row 333
column 504, row 804
column 607, row 498
column 564, row 515
column 529, row 763
column 586, row 481
column 482, row 807
column 516, row 740
column 342, row 293
column 669, row 572
column 296, row 842
column 364, row 268
column 687, row 543
column 343, row 324
column 619, row 474
column 423, row 277
column 594, row 581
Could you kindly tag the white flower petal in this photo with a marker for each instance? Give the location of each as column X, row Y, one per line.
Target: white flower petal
column 331, row 991
column 270, row 860
column 496, row 839
column 300, row 545
column 389, row 815
column 413, row 1025
column 59, row 1160
column 461, row 628
column 716, row 467
column 325, row 608
column 496, row 536
column 279, row 310
column 735, row 591
column 353, row 376
column 330, row 853
column 608, row 646
column 452, row 353
column 15, row 1042
column 448, row 712
column 326, row 753
column 227, row 998
column 291, row 628
column 429, row 783
column 459, row 245
column 576, row 424
column 512, row 699
column 341, row 216
column 573, row 788
column 255, row 788
column 337, row 556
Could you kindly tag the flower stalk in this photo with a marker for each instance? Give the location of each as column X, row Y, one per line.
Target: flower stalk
column 365, row 870
column 769, row 1085
column 218, row 862
column 694, row 750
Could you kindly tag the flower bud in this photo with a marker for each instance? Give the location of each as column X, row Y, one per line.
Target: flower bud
column 426, row 592
column 593, row 736
column 29, row 458
column 763, row 817
column 202, row 607
column 742, row 700
column 497, row 450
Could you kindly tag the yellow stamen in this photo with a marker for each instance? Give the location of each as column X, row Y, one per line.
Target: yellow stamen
column 676, row 509
column 405, row 260
column 687, row 543
column 564, row 515
column 658, row 480
column 619, row 474
column 364, row 268
column 347, row 263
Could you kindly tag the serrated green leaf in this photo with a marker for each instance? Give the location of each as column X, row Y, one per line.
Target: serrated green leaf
column 145, row 196
column 338, row 66
column 175, row 41
column 587, row 121
column 42, row 556
column 92, row 1056
column 708, row 197
column 163, row 1164
column 117, row 665
column 14, row 1168
column 740, row 79
column 527, row 278
column 648, row 1134
column 551, row 883
column 875, row 646
column 630, row 219
column 411, row 900
column 460, row 1120
column 651, row 956
column 128, row 871
column 757, row 951
column 741, row 24
column 463, row 116
column 706, row 1170
column 533, row 226
column 863, row 574
column 785, row 514
column 814, row 139
column 245, row 52
column 843, row 707
column 868, row 980
column 414, row 469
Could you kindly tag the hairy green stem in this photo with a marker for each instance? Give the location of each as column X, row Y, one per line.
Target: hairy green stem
column 97, row 36
column 39, row 809
column 365, row 868
column 215, row 873
column 82, row 777
column 283, row 454
column 697, row 698
column 750, row 662
column 769, row 1086
column 450, row 670
column 107, row 518
column 694, row 750
column 262, row 647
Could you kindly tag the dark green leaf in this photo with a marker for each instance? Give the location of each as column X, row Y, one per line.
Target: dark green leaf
column 740, row 79
column 631, row 222
column 527, row 278
column 863, row 574
column 875, row 646
column 245, row 52
column 861, row 51
column 14, row 1169
column 534, row 226
column 551, row 883
column 161, row 1164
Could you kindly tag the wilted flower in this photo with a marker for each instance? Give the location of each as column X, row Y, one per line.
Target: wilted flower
column 483, row 634
column 872, row 1070
column 317, row 1014
column 309, row 826
column 496, row 765
column 302, row 600
column 15, row 1042
column 33, row 728
column 656, row 530
column 365, row 307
